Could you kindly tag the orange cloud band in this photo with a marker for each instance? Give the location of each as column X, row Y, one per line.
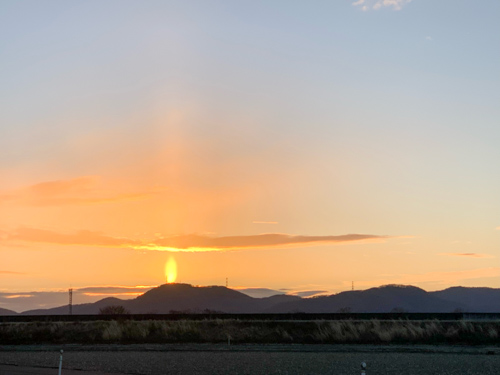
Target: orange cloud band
column 132, row 294
column 190, row 243
column 18, row 296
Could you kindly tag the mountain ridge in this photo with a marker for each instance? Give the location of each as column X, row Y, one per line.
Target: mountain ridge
column 186, row 298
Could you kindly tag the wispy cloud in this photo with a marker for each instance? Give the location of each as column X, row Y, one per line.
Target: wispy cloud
column 88, row 238
column 377, row 4
column 11, row 273
column 10, row 296
column 76, row 191
column 122, row 294
column 266, row 292
column 468, row 255
column 310, row 293
column 188, row 243
column 114, row 290
column 269, row 240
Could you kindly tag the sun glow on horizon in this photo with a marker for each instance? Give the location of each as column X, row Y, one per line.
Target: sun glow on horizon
column 176, row 249
column 171, row 270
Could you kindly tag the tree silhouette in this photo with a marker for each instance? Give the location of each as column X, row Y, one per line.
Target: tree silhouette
column 345, row 310
column 113, row 310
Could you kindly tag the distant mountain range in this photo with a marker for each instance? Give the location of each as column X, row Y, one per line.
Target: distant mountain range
column 170, row 298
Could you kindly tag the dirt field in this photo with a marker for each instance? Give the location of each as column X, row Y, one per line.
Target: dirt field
column 209, row 359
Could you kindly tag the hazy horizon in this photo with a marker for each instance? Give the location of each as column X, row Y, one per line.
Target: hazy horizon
column 291, row 146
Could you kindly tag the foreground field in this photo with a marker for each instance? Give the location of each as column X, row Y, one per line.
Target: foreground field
column 209, row 359
column 241, row 331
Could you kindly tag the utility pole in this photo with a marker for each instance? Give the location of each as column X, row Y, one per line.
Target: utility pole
column 70, row 301
column 353, row 286
column 227, row 282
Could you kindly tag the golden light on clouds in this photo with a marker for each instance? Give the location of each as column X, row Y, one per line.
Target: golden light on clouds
column 185, row 243
column 153, row 247
column 171, row 270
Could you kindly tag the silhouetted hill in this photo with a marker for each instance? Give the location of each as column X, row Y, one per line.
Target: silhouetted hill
column 185, row 297
column 267, row 303
column 390, row 298
column 471, row 299
column 7, row 312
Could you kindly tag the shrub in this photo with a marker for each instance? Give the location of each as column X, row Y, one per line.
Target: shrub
column 113, row 310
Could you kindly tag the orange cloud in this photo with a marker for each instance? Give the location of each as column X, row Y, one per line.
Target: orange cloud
column 19, row 296
column 309, row 293
column 112, row 289
column 76, row 191
column 11, row 273
column 189, row 243
column 88, row 238
column 129, row 294
column 258, row 241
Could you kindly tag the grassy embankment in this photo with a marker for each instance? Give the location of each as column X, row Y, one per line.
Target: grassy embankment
column 240, row 331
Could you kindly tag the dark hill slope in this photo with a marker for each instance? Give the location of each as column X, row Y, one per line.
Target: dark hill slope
column 83, row 309
column 384, row 299
column 7, row 312
column 185, row 297
column 471, row 299
column 264, row 304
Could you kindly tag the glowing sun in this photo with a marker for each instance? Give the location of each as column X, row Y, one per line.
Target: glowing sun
column 171, row 270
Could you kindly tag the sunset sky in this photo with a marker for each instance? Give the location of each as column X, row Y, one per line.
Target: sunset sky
column 290, row 145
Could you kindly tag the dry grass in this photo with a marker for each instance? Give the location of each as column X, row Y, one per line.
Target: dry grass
column 241, row 331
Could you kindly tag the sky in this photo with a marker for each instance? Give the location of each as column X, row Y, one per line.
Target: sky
column 298, row 146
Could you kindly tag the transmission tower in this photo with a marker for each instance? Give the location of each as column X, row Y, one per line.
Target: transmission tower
column 70, row 301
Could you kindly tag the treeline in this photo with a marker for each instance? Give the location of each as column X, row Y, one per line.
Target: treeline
column 113, row 314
